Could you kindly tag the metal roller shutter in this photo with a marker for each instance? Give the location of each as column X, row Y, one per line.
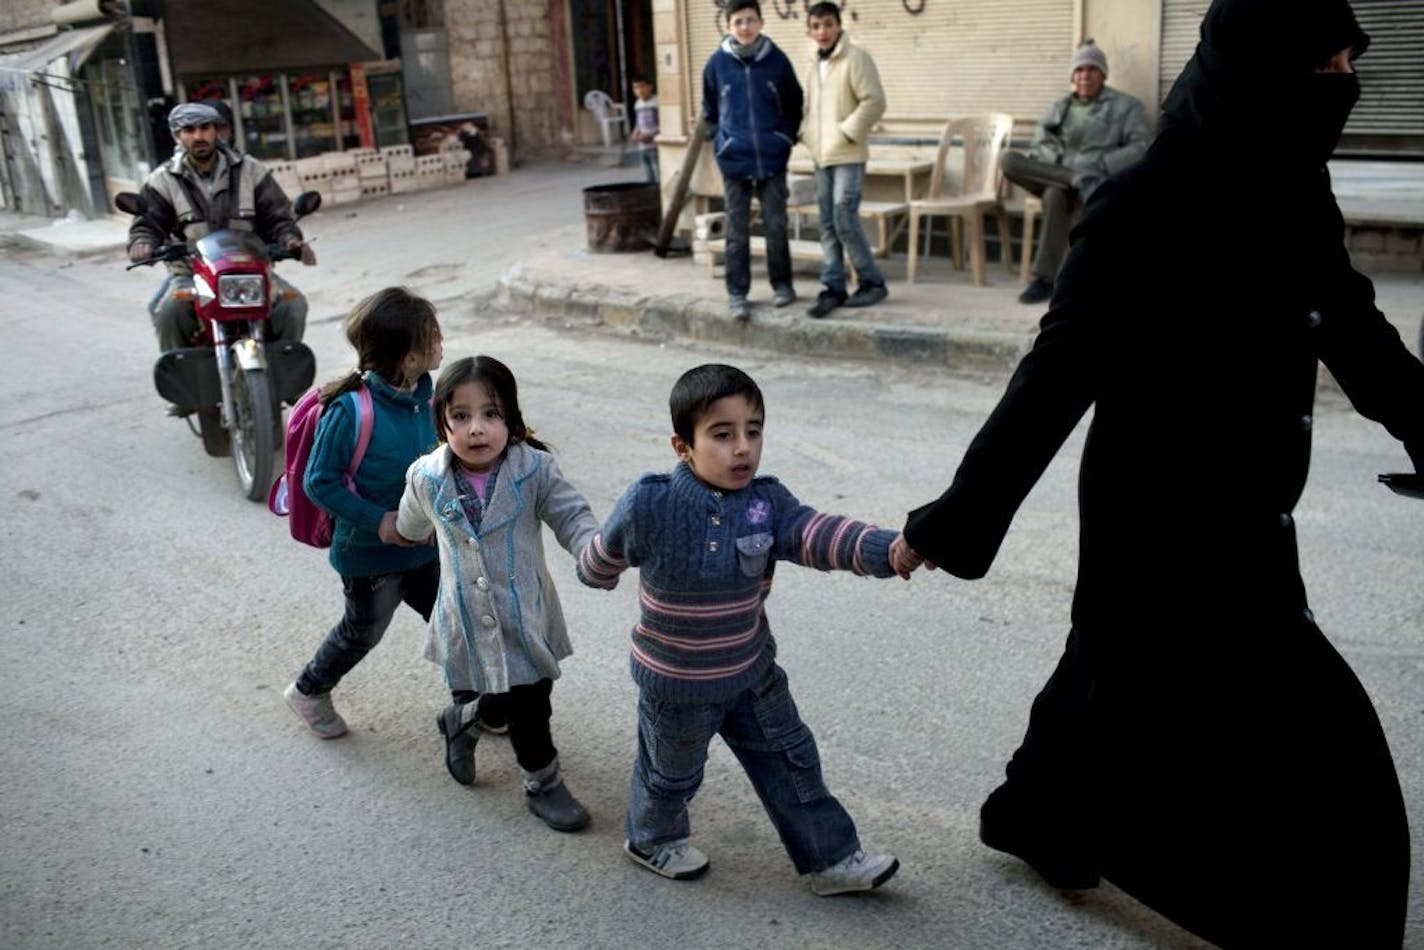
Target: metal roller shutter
column 948, row 59
column 1389, row 117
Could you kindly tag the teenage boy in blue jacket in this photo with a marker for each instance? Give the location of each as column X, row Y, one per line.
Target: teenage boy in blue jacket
column 751, row 105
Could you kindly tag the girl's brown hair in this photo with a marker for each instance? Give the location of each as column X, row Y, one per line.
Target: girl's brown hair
column 498, row 381
column 383, row 329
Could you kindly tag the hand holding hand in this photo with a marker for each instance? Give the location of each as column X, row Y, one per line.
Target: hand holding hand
column 389, row 534
column 904, row 559
column 140, row 251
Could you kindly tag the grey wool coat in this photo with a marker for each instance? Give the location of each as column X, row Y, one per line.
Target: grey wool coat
column 497, row 612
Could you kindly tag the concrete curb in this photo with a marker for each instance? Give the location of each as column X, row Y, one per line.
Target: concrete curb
column 696, row 318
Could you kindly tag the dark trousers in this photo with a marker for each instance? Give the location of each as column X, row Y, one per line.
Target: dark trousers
column 1054, row 184
column 526, row 710
column 771, row 194
column 371, row 602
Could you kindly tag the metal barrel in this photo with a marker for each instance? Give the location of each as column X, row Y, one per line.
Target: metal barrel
column 622, row 217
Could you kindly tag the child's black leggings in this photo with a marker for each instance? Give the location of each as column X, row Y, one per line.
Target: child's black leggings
column 527, row 711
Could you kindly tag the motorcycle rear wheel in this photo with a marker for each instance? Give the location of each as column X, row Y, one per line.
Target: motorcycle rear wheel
column 254, row 448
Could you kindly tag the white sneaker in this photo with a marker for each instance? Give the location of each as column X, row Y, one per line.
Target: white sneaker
column 859, row 872
column 676, row 859
column 316, row 711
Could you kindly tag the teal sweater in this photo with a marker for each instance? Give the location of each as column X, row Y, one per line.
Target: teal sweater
column 402, row 433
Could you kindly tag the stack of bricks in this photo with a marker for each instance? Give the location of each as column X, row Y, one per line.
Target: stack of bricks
column 400, row 165
column 345, row 182
column 456, row 161
column 315, row 176
column 286, row 177
column 429, row 171
column 706, row 227
column 371, row 171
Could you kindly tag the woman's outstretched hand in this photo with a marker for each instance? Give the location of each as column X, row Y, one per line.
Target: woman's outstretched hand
column 904, row 559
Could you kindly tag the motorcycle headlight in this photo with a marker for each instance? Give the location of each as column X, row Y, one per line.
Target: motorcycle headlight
column 241, row 290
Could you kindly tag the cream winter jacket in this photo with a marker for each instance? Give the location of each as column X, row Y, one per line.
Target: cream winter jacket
column 842, row 108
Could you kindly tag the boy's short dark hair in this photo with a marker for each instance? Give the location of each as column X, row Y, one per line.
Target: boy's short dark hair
column 824, row 8
column 734, row 5
column 640, row 79
column 701, row 386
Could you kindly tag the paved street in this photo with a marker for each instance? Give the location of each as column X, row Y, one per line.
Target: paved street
column 157, row 792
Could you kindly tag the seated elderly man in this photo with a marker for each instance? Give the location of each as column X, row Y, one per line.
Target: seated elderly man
column 1083, row 138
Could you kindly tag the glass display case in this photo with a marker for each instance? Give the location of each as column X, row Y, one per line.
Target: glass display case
column 263, row 114
column 313, row 110
column 387, row 107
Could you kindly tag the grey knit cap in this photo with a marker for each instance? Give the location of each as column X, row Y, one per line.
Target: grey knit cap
column 1089, row 54
column 192, row 113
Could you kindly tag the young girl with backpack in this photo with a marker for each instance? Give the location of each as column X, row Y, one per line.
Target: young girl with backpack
column 397, row 343
column 497, row 628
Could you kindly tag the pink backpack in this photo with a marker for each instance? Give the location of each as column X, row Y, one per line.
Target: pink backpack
column 307, row 521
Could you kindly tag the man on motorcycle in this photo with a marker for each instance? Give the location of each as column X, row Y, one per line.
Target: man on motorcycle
column 206, row 186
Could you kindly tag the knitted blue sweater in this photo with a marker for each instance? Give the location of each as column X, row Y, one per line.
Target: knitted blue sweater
column 705, row 560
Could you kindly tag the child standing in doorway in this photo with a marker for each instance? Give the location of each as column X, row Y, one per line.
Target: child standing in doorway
column 397, row 342
column 645, row 126
column 705, row 540
column 497, row 628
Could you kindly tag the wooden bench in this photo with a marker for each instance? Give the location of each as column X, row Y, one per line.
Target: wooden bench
column 888, row 218
column 800, row 251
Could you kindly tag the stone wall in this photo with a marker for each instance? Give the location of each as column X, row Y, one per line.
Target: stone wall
column 23, row 14
column 478, row 75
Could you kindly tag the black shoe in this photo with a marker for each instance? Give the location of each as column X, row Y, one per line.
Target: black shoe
column 1037, row 291
column 460, row 739
column 1007, row 827
column 826, row 302
column 867, row 294
column 557, row 807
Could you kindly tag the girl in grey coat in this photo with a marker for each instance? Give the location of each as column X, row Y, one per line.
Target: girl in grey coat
column 497, row 629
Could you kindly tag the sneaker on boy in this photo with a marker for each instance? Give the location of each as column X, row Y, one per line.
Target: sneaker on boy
column 857, row 872
column 676, row 859
column 316, row 711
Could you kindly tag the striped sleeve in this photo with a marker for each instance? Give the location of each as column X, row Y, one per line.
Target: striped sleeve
column 833, row 542
column 606, row 556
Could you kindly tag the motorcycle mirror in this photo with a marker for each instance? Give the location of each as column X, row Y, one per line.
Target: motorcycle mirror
column 129, row 202
column 307, row 202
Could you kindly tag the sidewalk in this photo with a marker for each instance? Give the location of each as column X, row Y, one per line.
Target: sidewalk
column 523, row 237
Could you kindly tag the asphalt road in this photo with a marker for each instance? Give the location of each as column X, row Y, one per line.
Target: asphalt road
column 157, row 792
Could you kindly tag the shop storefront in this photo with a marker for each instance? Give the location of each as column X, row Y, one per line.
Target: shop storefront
column 293, row 76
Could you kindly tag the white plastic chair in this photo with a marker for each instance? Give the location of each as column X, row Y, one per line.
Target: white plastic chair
column 609, row 114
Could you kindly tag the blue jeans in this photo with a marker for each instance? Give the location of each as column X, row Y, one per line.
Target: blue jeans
column 764, row 731
column 371, row 602
column 771, row 193
column 649, row 157
column 838, row 189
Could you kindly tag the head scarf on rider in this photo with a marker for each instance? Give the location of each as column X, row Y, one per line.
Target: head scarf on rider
column 187, row 114
column 1255, row 68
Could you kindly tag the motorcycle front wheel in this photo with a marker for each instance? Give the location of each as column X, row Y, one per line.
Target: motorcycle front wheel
column 254, row 447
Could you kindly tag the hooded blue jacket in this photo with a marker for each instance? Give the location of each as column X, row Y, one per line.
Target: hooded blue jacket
column 756, row 105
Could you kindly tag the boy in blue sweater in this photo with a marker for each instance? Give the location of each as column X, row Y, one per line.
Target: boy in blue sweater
column 752, row 100
column 705, row 539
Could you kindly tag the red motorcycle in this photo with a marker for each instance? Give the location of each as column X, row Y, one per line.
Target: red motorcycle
column 229, row 376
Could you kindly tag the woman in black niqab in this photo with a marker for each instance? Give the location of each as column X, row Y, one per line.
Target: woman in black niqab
column 1201, row 744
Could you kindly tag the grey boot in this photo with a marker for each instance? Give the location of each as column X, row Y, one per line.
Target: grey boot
column 550, row 799
column 457, row 724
